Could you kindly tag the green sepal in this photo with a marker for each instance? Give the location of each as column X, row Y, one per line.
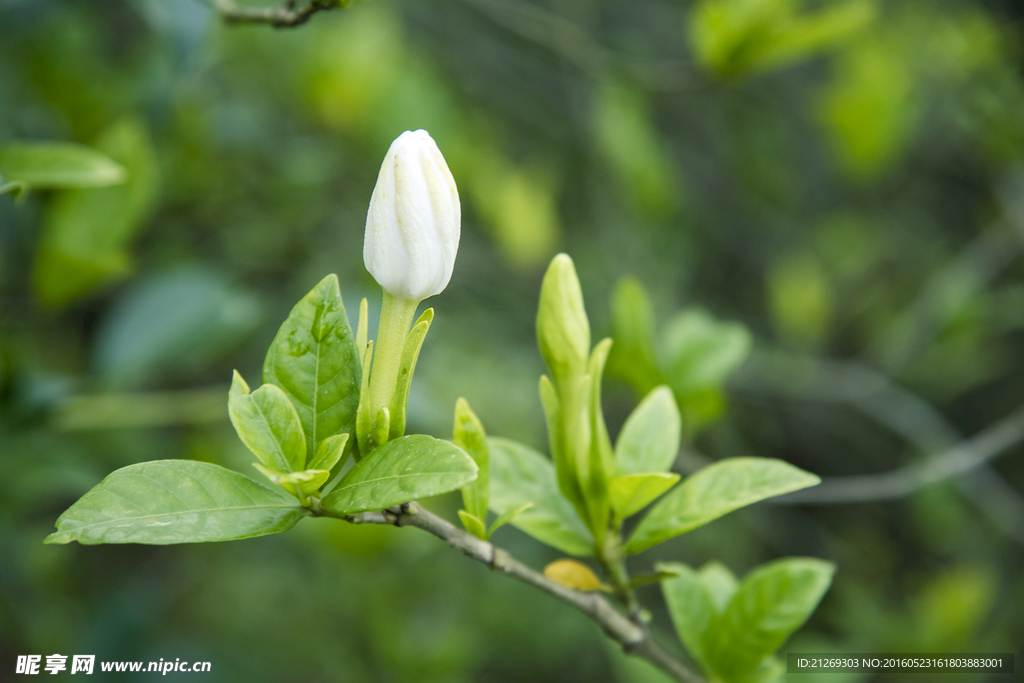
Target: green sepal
column 299, row 484
column 328, row 455
column 631, row 493
column 379, row 429
column 565, row 469
column 473, row 525
column 364, row 423
column 362, row 331
column 601, row 460
column 504, row 519
column 267, row 423
column 410, row 353
column 469, row 435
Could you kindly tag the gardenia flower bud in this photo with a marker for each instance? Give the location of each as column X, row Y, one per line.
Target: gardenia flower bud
column 414, row 221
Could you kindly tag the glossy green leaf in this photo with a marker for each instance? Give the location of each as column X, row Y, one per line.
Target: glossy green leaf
column 631, row 493
column 299, row 484
column 521, row 475
column 714, row 491
column 267, row 423
column 690, row 606
column 175, row 501
column 51, row 165
column 468, row 434
column 329, row 453
column 649, row 441
column 406, row 469
column 87, row 233
column 410, row 353
column 314, row 359
column 473, row 525
column 772, row 602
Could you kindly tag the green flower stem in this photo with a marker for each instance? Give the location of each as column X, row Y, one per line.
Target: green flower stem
column 613, row 561
column 396, row 316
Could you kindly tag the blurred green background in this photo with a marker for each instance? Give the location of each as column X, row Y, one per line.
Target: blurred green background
column 843, row 180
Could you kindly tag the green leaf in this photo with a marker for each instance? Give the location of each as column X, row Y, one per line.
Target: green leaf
column 768, row 671
column 504, row 519
column 700, row 352
column 299, row 484
column 406, row 469
column 720, row 583
column 268, row 425
column 640, row 580
column 87, row 233
column 690, row 606
column 473, row 524
column 314, row 359
column 175, row 501
column 521, row 475
column 633, row 357
column 329, row 452
column 773, row 601
column 714, row 491
column 649, row 441
column 410, row 352
column 171, row 322
column 468, row 434
column 50, row 165
column 631, row 493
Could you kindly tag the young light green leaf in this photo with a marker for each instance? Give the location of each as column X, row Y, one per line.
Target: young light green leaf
column 691, row 608
column 468, row 434
column 410, row 353
column 314, row 359
column 329, row 453
column 631, row 493
column 473, row 525
column 87, row 233
column 714, row 491
column 772, row 602
column 521, row 475
column 563, row 331
column 640, row 580
column 768, row 671
column 299, row 484
column 53, row 165
column 406, row 469
column 175, row 501
column 268, row 425
column 504, row 519
column 649, row 441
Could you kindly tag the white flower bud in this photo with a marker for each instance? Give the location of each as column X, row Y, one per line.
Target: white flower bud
column 414, row 221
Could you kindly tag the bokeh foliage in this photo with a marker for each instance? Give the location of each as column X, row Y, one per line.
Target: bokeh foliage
column 796, row 180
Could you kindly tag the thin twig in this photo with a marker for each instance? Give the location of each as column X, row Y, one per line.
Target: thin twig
column 288, row 15
column 634, row 639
